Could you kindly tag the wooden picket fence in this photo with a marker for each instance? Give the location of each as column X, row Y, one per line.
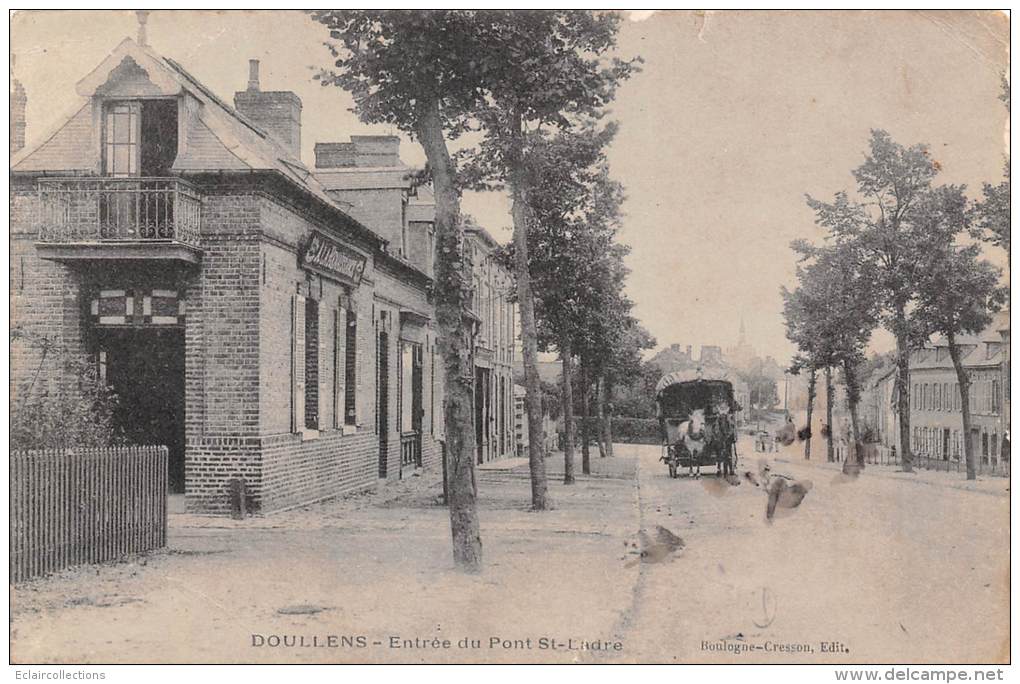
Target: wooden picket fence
column 78, row 506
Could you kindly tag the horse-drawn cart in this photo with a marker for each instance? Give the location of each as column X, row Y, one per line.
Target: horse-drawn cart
column 697, row 421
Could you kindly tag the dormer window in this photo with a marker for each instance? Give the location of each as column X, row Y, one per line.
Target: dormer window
column 139, row 138
column 120, row 138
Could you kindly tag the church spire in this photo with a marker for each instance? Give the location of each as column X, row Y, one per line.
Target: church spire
column 742, row 339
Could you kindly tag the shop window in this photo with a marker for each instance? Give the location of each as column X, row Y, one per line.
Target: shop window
column 994, row 447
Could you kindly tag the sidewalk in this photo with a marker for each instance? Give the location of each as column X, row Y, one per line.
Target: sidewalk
column 614, row 467
column 984, row 484
column 362, row 570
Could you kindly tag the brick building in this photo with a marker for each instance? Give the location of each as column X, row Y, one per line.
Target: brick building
column 265, row 321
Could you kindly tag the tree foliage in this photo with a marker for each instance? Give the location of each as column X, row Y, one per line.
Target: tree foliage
column 992, row 213
column 886, row 227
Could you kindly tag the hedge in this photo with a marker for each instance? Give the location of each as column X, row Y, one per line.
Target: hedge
column 626, row 430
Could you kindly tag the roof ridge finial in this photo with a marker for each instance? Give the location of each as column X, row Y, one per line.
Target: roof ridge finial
column 143, row 19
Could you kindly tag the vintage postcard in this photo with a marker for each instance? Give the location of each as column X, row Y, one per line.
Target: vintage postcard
column 451, row 336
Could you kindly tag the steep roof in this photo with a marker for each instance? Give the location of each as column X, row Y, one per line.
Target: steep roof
column 218, row 137
column 982, row 349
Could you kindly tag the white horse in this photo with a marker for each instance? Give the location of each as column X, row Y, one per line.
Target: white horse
column 694, row 437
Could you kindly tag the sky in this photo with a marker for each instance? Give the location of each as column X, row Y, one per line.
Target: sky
column 735, row 116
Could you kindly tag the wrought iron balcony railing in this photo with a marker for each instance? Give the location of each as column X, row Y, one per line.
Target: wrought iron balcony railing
column 147, row 210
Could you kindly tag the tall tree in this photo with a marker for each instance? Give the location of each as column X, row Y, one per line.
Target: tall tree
column 832, row 315
column 812, row 393
column 570, row 221
column 543, row 69
column 992, row 220
column 801, row 363
column 883, row 224
column 416, row 70
column 830, row 399
column 958, row 295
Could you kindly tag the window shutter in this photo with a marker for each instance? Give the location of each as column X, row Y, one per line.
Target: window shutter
column 324, row 346
column 359, row 373
column 339, row 369
column 297, row 370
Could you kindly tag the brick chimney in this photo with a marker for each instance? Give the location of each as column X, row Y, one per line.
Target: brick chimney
column 277, row 112
column 18, row 103
column 362, row 151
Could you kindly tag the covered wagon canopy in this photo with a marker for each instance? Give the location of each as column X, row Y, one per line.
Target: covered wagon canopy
column 694, row 374
column 680, row 392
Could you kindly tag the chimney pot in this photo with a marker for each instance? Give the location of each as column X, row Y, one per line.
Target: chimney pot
column 253, row 74
column 275, row 112
column 18, row 102
column 143, row 18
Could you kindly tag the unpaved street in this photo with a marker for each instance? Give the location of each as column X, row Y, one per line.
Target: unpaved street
column 889, row 567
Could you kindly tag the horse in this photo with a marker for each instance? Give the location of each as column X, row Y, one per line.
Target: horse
column 694, row 436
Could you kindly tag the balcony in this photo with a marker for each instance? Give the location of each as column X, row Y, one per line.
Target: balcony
column 118, row 218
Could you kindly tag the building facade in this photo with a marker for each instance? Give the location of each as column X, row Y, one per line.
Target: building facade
column 495, row 436
column 270, row 324
column 936, row 414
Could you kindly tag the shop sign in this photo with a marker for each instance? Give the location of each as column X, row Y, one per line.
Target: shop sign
column 333, row 260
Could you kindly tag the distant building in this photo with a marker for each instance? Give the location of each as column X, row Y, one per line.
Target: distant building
column 936, row 415
column 711, row 364
column 742, row 354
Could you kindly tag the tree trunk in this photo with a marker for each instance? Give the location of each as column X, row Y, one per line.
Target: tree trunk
column 608, row 436
column 903, row 388
column 585, row 418
column 600, row 414
column 455, row 345
column 812, row 381
column 830, row 397
column 964, row 380
column 529, row 336
column 853, row 399
column 568, row 414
